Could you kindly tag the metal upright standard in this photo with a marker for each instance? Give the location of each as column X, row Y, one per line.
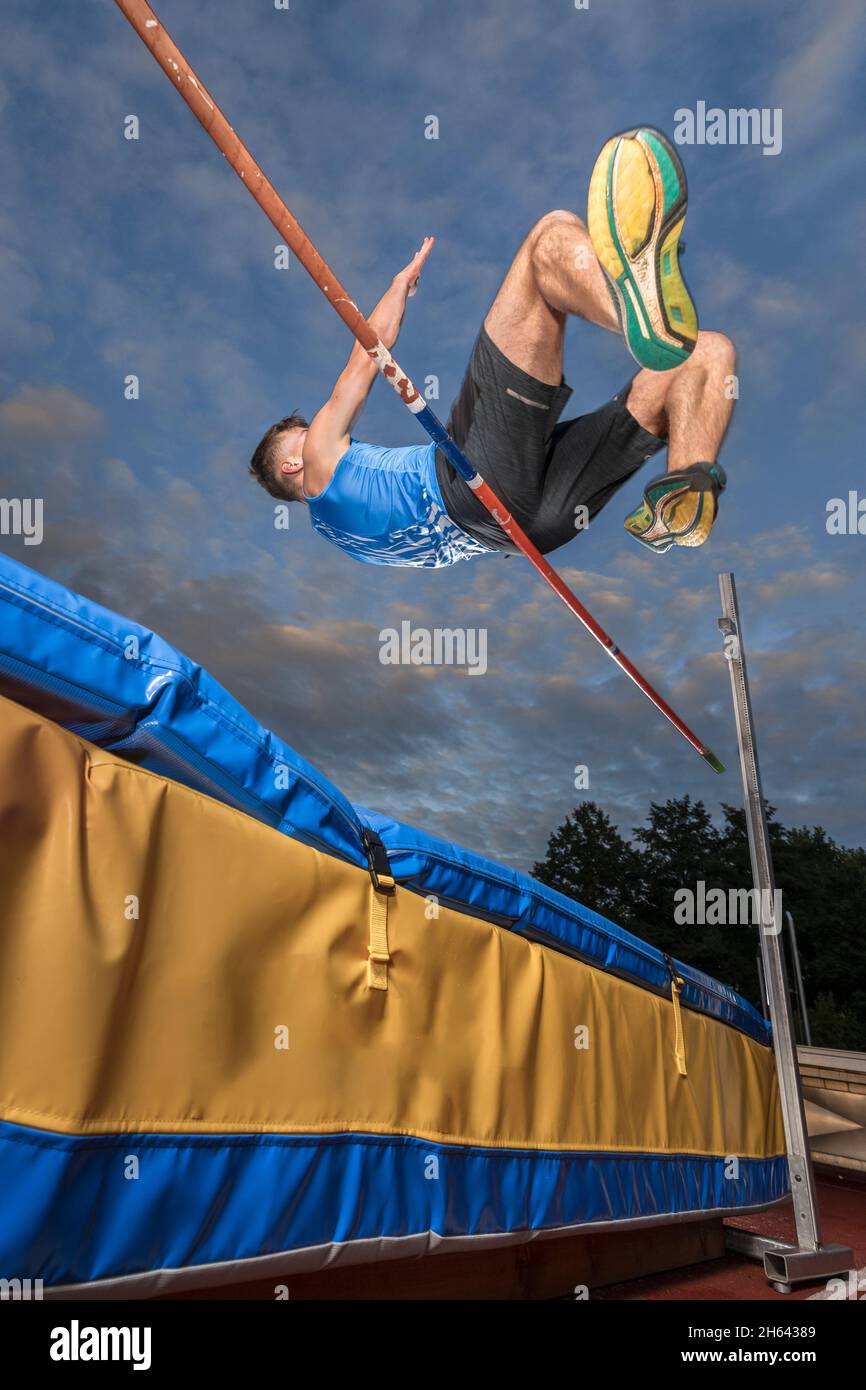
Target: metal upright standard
column 798, row 976
column 203, row 106
column 809, row 1259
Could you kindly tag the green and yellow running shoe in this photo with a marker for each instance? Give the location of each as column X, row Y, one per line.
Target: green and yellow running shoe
column 678, row 508
column 637, row 206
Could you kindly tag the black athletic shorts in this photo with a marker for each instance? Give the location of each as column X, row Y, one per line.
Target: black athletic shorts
column 507, row 425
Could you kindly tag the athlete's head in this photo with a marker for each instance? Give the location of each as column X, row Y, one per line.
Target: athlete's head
column 277, row 463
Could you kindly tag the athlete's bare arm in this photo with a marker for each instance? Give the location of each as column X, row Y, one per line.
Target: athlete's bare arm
column 328, row 436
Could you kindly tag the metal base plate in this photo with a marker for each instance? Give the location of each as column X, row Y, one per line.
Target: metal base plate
column 787, row 1265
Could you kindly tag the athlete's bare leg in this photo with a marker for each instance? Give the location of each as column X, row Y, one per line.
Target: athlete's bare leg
column 692, row 405
column 556, row 273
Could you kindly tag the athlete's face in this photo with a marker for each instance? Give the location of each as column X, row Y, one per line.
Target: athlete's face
column 289, row 462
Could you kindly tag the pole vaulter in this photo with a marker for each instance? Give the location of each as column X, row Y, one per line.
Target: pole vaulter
column 202, row 105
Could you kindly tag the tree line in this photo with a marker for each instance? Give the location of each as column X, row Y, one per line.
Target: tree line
column 638, row 883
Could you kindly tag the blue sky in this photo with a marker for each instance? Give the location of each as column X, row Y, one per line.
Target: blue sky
column 148, row 257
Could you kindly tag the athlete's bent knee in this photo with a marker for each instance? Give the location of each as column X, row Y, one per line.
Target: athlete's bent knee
column 716, row 346
column 558, row 217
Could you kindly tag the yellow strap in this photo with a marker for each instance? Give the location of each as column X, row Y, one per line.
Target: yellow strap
column 377, row 951
column 680, row 1043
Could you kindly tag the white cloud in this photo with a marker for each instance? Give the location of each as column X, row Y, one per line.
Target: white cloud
column 47, row 411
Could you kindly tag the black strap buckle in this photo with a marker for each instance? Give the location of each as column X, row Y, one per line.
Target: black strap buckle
column 377, row 856
column 676, row 977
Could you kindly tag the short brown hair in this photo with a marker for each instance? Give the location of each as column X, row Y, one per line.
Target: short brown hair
column 262, row 461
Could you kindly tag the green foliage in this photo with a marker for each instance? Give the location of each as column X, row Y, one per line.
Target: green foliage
column 588, row 859
column 835, row 1027
column 822, row 884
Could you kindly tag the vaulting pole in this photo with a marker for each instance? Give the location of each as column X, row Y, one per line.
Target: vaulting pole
column 202, row 105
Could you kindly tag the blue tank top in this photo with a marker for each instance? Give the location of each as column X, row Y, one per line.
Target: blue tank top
column 384, row 507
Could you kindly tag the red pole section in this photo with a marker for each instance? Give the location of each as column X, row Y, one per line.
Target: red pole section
column 204, row 108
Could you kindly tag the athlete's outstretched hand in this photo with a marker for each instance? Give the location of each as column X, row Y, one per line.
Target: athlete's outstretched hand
column 409, row 277
column 330, row 432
